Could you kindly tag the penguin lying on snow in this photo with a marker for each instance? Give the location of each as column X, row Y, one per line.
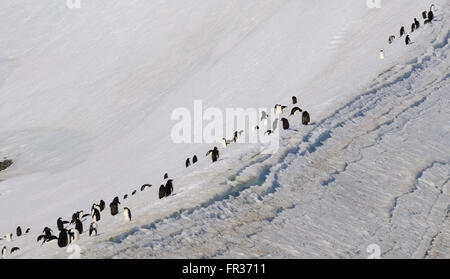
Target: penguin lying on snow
column 93, row 229
column 268, row 132
column 133, row 193
column 295, row 111
column 125, row 197
column 145, row 186
column 214, row 154
column 74, row 235
column 14, row 249
column 127, row 214
column 47, row 236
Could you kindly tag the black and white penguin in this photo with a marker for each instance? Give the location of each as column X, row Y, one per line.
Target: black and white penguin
column 285, row 123
column 63, row 238
column 4, row 252
column 225, row 143
column 60, row 223
column 145, row 186
column 166, row 176
column 133, row 193
column 402, row 31
column 188, row 162
column 95, row 215
column 74, row 235
column 9, row 237
column 125, row 197
column 162, row 192
column 432, row 8
column 279, row 109
column 256, row 128
column 194, row 159
column 214, row 154
column 127, row 214
column 305, row 118
column 93, row 229
column 116, row 200
column 102, row 205
column 169, row 187
column 264, row 118
column 114, row 208
column 79, row 226
column 424, row 14
column 27, row 231
column 413, row 27
column 268, row 132
column 294, row 100
column 19, row 231
column 391, row 39
column 417, row 23
column 14, row 249
column 407, row 40
column 295, row 111
column 47, row 236
column 430, row 16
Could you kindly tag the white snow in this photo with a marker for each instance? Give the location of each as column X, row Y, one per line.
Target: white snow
column 86, row 97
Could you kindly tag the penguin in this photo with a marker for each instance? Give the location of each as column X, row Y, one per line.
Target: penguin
column 4, row 252
column 305, row 118
column 27, row 231
column 407, row 40
column 116, row 200
column 426, row 22
column 102, row 205
column 381, row 54
column 413, row 27
column 264, row 117
column 194, row 159
column 93, row 229
column 391, row 39
column 79, row 226
column 145, row 186
column 214, row 154
column 14, row 249
column 74, row 218
column 402, row 31
column 430, row 16
column 9, row 237
column 125, row 196
column 432, row 8
column 424, row 15
column 74, row 235
column 188, row 162
column 18, row 231
column 162, row 191
column 133, row 193
column 95, row 206
column 417, row 23
column 63, row 239
column 114, row 208
column 279, row 109
column 255, row 128
column 268, row 132
column 285, row 123
column 127, row 214
column 295, row 110
column 47, row 236
column 169, row 187
column 294, row 100
column 236, row 135
column 166, row 176
column 95, row 215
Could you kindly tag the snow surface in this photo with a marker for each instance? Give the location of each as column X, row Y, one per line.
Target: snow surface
column 86, row 97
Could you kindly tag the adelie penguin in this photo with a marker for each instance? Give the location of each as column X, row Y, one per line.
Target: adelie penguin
column 4, row 252
column 424, row 15
column 95, row 215
column 402, row 31
column 430, row 16
column 295, row 111
column 194, row 159
column 93, row 229
column 114, row 206
column 162, row 192
column 407, row 40
column 166, row 176
column 79, row 226
column 413, row 27
column 63, row 238
column 169, row 187
column 294, row 100
column 14, row 249
column 416, row 23
column 305, row 118
column 214, row 154
column 102, row 205
column 47, row 236
column 60, row 223
column 285, row 123
column 188, row 163
column 19, row 231
column 145, row 186
column 125, row 197
column 74, row 235
column 127, row 214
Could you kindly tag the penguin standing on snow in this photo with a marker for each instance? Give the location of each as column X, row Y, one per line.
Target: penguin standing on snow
column 413, row 27
column 79, row 226
column 127, row 214
column 166, row 176
column 162, row 192
column 169, row 187
column 407, row 40
column 194, row 159
column 93, row 229
column 102, row 205
column 416, row 23
column 63, row 239
column 188, row 163
column 214, row 154
column 4, row 252
column 433, row 8
column 95, row 215
column 381, row 54
column 424, row 14
column 27, row 231
column 19, row 231
column 285, row 123
column 295, row 111
column 430, row 16
column 114, row 206
column 74, row 235
column 294, row 100
column 391, row 39
column 305, row 118
column 402, row 31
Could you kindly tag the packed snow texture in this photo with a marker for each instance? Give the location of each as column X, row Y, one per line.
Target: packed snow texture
column 86, row 97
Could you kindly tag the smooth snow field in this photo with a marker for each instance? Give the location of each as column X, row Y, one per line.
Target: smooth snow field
column 87, row 101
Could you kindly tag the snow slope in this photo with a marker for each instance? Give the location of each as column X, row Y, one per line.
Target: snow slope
column 88, row 95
